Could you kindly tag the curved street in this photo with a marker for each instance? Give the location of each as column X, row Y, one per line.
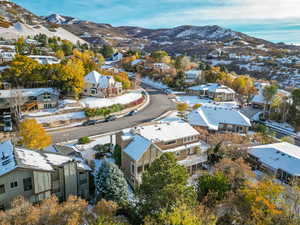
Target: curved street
column 159, row 104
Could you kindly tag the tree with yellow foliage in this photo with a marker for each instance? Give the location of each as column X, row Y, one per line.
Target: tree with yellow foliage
column 72, row 76
column 262, row 202
column 182, row 215
column 33, row 135
column 60, row 54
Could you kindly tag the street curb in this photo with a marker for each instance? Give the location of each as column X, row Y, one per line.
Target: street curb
column 141, row 107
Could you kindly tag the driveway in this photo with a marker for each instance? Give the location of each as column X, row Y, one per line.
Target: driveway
column 159, row 104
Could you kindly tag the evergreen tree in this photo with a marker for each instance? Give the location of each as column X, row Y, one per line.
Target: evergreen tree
column 164, row 185
column 107, row 51
column 111, row 184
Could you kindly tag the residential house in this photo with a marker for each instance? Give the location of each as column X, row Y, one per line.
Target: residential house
column 7, row 53
column 258, row 100
column 45, row 59
column 29, row 98
column 281, row 160
column 161, row 66
column 117, row 56
column 213, row 91
column 37, row 175
column 193, row 76
column 142, row 145
column 101, row 86
column 215, row 118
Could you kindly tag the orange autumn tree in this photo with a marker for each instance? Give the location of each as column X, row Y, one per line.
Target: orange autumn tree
column 33, row 135
column 263, row 201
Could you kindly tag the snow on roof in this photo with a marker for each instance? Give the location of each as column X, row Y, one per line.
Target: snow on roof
column 213, row 87
column 32, row 159
column 26, row 92
column 92, row 77
column 7, row 160
column 284, row 156
column 166, row 131
column 212, row 117
column 137, row 147
column 96, row 78
column 15, row 157
column 259, row 97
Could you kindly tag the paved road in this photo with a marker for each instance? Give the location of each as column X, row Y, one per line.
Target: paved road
column 159, row 104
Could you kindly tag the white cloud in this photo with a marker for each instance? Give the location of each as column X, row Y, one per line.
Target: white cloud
column 223, row 11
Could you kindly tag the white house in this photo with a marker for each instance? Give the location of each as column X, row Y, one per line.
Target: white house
column 45, row 59
column 215, row 118
column 281, row 160
column 101, row 86
column 213, row 91
column 161, row 66
column 117, row 56
column 193, row 76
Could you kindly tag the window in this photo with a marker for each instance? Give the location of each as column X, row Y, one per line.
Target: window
column 47, row 96
column 2, row 188
column 27, row 182
column 47, row 106
column 140, row 169
column 170, row 142
column 132, row 169
column 14, row 184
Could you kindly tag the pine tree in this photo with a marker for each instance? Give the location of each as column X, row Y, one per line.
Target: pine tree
column 111, row 184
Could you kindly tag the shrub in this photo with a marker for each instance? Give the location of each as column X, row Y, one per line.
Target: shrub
column 105, row 111
column 84, row 140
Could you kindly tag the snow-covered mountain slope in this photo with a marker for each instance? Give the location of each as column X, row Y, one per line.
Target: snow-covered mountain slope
column 24, row 30
column 16, row 21
column 59, row 19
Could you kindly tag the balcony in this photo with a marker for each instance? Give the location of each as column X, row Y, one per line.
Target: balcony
column 193, row 160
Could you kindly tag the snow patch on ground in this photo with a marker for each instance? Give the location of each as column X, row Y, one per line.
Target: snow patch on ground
column 23, row 30
column 61, row 117
column 94, row 102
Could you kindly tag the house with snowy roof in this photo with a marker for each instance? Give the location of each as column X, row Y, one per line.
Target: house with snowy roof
column 213, row 91
column 142, row 145
column 29, row 98
column 193, row 76
column 38, row 174
column 258, row 100
column 45, row 59
column 214, row 118
column 98, row 85
column 281, row 160
column 117, row 56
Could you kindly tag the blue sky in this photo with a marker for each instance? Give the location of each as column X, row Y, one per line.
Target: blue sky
column 274, row 20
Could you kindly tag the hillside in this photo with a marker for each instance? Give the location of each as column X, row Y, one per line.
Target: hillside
column 16, row 21
column 192, row 40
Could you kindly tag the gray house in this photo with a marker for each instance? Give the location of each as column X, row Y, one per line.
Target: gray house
column 38, row 174
column 29, row 98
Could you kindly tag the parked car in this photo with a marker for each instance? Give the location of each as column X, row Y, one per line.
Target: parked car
column 89, row 122
column 110, row 118
column 131, row 113
column 7, row 122
column 7, row 126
